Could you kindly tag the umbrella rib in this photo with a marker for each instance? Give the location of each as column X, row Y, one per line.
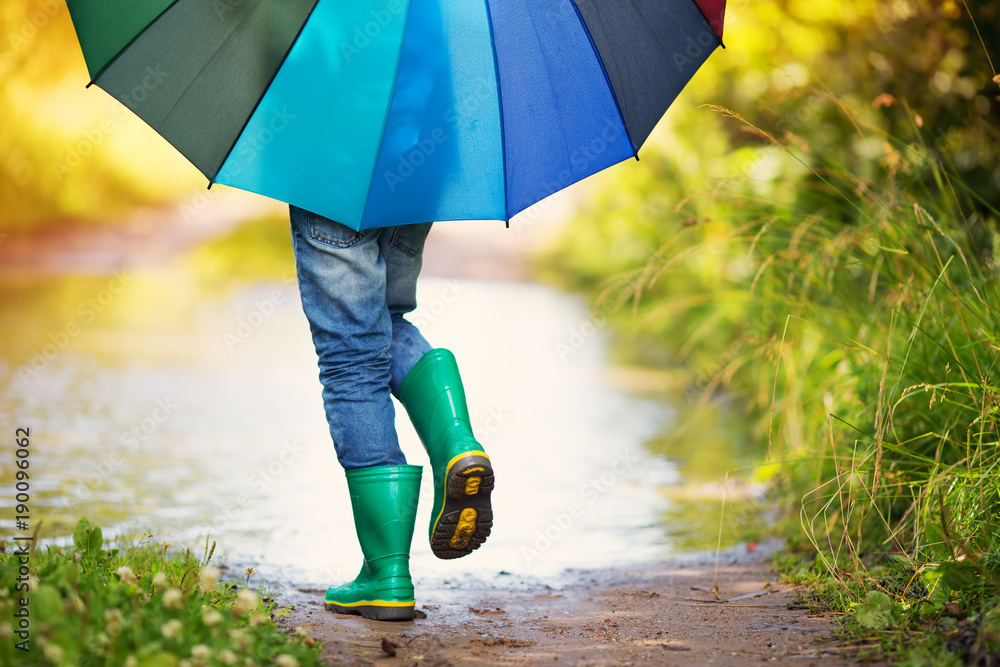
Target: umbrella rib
column 503, row 134
column 132, row 41
column 253, row 111
column 555, row 99
column 657, row 41
column 388, row 111
column 607, row 80
column 195, row 78
column 709, row 24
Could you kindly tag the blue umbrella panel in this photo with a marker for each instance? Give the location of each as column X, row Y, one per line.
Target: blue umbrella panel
column 384, row 112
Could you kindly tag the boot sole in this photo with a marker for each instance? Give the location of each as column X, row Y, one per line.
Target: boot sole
column 465, row 520
column 374, row 612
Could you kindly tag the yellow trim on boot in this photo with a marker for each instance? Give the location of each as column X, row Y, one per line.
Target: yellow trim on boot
column 372, row 603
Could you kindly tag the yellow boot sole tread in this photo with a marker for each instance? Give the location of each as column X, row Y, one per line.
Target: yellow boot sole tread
column 466, row 519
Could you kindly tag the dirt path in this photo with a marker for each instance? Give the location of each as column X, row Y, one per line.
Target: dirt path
column 650, row 614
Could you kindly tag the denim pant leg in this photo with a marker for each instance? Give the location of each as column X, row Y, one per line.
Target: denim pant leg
column 342, row 282
column 402, row 250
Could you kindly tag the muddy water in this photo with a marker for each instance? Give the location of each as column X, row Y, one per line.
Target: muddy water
column 156, row 403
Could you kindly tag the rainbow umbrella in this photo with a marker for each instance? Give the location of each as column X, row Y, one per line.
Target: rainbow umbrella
column 384, row 112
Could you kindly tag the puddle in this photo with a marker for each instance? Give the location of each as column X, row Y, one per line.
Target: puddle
column 159, row 403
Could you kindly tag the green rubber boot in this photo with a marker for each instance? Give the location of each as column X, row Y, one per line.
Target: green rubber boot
column 433, row 396
column 384, row 499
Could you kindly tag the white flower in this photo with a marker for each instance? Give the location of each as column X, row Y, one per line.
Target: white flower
column 257, row 619
column 246, row 601
column 171, row 629
column 201, row 652
column 285, row 660
column 173, row 599
column 53, row 653
column 241, row 639
column 160, row 579
column 227, row 657
column 131, row 661
column 165, row 543
column 125, row 574
column 114, row 620
column 211, row 617
column 208, row 577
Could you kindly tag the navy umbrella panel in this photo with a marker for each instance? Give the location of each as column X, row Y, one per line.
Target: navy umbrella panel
column 382, row 112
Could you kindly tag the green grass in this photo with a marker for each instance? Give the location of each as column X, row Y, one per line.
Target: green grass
column 258, row 249
column 138, row 604
column 847, row 318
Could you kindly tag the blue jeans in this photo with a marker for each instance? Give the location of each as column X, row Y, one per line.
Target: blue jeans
column 355, row 289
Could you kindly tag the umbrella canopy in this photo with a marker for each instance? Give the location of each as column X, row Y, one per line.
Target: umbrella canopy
column 383, row 112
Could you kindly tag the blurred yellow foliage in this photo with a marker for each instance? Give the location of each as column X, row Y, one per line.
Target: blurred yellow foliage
column 68, row 153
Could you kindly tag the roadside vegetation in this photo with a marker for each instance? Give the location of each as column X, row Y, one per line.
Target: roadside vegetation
column 138, row 603
column 813, row 260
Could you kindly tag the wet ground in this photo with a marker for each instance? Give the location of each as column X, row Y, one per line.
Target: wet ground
column 164, row 393
column 662, row 613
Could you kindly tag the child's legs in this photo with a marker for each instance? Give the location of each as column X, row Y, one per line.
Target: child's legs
column 342, row 282
column 402, row 250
